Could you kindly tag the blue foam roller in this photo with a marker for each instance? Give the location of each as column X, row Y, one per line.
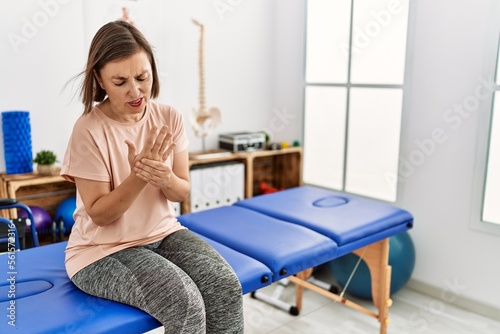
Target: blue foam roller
column 18, row 152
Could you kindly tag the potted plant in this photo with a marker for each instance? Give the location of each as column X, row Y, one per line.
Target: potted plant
column 45, row 161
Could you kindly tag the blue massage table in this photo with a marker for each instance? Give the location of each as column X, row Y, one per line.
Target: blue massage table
column 265, row 239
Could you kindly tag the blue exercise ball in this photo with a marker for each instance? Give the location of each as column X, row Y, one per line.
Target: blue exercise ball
column 64, row 213
column 401, row 259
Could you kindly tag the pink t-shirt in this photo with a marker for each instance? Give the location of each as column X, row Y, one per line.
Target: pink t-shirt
column 97, row 151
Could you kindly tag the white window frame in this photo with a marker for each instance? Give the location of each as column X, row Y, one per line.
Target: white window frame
column 484, row 128
column 348, row 85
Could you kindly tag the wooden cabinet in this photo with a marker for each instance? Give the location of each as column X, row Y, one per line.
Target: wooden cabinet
column 279, row 168
column 33, row 189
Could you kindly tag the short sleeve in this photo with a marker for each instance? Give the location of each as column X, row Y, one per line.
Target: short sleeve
column 84, row 157
column 179, row 131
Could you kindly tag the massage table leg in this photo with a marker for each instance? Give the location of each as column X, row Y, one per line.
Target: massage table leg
column 376, row 257
column 299, row 289
column 275, row 298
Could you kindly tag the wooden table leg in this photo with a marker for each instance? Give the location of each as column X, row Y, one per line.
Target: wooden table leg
column 376, row 257
column 299, row 289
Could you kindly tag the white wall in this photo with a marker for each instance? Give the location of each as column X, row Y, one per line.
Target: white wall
column 452, row 48
column 286, row 119
column 254, row 69
column 42, row 49
column 240, row 63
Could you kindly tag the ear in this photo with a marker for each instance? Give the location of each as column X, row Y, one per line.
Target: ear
column 98, row 78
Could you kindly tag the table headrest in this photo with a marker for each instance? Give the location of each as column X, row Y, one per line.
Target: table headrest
column 330, row 201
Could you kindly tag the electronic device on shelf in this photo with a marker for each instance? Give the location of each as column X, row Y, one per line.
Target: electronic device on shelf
column 242, row 141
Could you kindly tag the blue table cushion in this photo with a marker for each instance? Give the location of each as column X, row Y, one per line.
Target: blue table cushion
column 283, row 247
column 48, row 302
column 344, row 218
column 252, row 274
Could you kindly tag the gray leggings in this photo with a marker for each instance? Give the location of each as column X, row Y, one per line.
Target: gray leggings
column 181, row 281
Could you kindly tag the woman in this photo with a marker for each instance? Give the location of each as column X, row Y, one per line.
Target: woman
column 128, row 158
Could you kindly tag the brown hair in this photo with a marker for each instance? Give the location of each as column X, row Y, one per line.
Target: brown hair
column 113, row 41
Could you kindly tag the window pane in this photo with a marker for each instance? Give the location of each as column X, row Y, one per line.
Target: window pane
column 497, row 79
column 379, row 41
column 373, row 141
column 324, row 136
column 327, row 40
column 491, row 209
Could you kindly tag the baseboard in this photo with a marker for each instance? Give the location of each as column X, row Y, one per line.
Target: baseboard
column 469, row 304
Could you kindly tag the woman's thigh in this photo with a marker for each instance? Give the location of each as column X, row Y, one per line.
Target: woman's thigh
column 140, row 277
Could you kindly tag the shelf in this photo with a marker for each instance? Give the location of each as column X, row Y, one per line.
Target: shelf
column 279, row 168
column 34, row 189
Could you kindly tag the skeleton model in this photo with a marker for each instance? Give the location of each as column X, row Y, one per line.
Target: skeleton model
column 202, row 120
column 126, row 16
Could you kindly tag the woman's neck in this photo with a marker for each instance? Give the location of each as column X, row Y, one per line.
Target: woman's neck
column 110, row 111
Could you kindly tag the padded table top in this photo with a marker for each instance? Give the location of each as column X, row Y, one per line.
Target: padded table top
column 351, row 221
column 283, row 247
column 252, row 274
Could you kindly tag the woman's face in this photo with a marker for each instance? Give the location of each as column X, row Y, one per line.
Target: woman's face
column 127, row 83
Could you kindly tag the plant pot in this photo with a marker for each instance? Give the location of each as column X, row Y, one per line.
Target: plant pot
column 45, row 170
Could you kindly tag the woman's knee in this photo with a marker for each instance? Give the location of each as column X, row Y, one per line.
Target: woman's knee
column 224, row 289
column 224, row 303
column 232, row 282
column 186, row 315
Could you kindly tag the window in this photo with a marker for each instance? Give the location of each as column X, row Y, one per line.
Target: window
column 355, row 64
column 491, row 203
column 485, row 212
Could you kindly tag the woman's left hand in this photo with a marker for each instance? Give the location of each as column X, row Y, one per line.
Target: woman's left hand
column 157, row 173
column 149, row 165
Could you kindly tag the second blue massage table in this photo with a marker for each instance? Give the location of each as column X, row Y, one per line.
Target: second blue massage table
column 265, row 239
